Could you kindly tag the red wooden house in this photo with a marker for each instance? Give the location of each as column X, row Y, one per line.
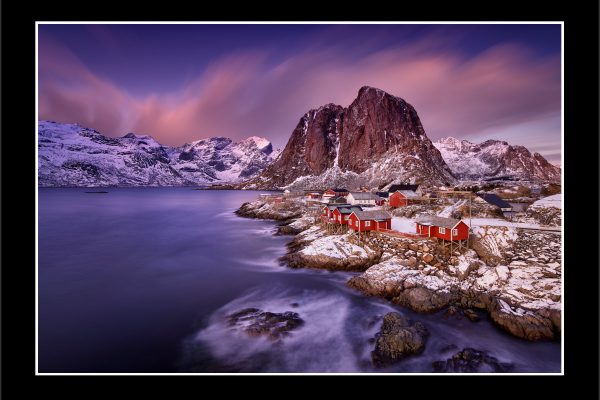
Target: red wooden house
column 400, row 198
column 443, row 228
column 313, row 194
column 334, row 192
column 341, row 215
column 327, row 212
column 361, row 221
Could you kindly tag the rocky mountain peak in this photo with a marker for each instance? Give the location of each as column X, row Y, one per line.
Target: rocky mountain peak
column 337, row 142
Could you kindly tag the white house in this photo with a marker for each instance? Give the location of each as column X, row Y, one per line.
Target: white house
column 362, row 198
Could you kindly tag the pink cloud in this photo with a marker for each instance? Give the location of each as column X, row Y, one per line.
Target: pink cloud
column 241, row 95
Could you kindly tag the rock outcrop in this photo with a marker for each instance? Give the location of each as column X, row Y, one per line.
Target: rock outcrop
column 255, row 322
column 471, row 360
column 397, row 339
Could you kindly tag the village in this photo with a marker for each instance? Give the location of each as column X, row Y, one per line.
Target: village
column 445, row 214
column 454, row 249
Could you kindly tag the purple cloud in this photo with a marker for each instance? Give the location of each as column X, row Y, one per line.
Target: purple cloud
column 241, row 94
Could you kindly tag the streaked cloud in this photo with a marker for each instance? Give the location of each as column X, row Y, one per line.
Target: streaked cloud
column 503, row 92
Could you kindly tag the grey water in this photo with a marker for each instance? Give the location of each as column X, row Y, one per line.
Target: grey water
column 139, row 280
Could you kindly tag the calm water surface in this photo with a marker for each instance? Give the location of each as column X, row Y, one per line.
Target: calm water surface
column 138, row 280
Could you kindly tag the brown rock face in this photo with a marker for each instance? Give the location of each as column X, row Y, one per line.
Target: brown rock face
column 334, row 141
column 311, row 148
column 375, row 123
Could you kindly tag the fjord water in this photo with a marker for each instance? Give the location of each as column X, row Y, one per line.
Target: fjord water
column 140, row 279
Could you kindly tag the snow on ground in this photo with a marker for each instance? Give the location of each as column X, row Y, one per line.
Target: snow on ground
column 403, row 225
column 509, row 224
column 449, row 210
column 335, row 247
column 550, row 201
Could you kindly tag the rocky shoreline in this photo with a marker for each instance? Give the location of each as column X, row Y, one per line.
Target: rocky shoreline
column 512, row 275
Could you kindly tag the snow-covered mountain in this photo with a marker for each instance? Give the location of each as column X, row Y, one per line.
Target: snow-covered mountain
column 71, row 155
column 376, row 141
column 495, row 159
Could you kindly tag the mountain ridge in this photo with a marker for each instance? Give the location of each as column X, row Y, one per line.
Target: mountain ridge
column 72, row 155
column 492, row 159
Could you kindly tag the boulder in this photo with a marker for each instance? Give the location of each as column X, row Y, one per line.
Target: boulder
column 256, row 322
column 421, row 299
column 522, row 323
column 427, row 257
column 472, row 315
column 471, row 360
column 397, row 339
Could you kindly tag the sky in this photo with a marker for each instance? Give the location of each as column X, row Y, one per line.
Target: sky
column 181, row 83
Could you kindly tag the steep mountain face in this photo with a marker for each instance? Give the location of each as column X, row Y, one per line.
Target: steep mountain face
column 376, row 141
column 495, row 159
column 70, row 155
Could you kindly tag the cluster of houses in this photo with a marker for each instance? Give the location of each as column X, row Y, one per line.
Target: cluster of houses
column 345, row 210
column 355, row 218
column 396, row 196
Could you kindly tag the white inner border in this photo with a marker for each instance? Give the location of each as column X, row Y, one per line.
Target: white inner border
column 562, row 166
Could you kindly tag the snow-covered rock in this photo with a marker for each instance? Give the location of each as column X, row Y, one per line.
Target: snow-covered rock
column 71, row 155
column 546, row 211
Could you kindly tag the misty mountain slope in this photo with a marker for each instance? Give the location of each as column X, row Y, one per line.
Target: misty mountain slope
column 495, row 159
column 71, row 155
column 377, row 140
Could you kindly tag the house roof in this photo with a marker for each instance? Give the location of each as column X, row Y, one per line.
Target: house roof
column 433, row 220
column 383, row 195
column 339, row 199
column 407, row 193
column 332, row 207
column 494, row 200
column 339, row 190
column 349, row 210
column 364, row 196
column 394, row 188
column 372, row 215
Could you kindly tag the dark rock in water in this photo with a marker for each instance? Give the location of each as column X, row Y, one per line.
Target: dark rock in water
column 471, row 360
column 397, row 339
column 472, row 315
column 98, row 192
column 256, row 322
column 452, row 311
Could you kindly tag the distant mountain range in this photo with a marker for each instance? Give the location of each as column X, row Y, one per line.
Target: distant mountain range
column 377, row 141
column 71, row 155
column 494, row 159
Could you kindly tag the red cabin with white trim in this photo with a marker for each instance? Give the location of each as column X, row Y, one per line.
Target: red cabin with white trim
column 443, row 228
column 400, row 198
column 361, row 221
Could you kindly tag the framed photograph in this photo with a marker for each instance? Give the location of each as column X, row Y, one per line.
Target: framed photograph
column 299, row 198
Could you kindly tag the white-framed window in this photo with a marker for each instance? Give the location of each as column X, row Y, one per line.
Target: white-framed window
column 454, row 232
column 442, row 230
column 356, row 223
column 345, row 218
column 368, row 223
